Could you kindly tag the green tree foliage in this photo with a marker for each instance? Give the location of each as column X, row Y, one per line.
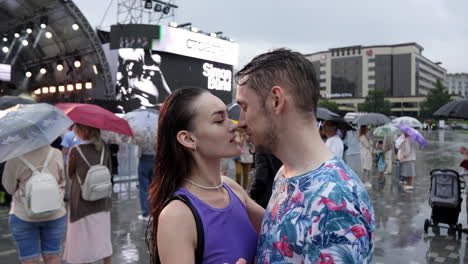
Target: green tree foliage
column 375, row 102
column 330, row 105
column 435, row 99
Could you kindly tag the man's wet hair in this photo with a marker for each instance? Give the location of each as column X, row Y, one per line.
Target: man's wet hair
column 285, row 68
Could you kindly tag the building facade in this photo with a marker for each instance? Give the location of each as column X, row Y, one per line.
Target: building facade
column 457, row 84
column 347, row 74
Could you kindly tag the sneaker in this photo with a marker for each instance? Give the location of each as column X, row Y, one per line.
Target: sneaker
column 408, row 187
column 402, row 182
column 143, row 218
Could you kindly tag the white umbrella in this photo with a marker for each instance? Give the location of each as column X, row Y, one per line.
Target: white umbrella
column 144, row 124
column 24, row 128
column 407, row 120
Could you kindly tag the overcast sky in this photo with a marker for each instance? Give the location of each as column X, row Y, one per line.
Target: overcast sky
column 308, row 26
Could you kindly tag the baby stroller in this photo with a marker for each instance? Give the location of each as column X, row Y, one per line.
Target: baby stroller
column 445, row 199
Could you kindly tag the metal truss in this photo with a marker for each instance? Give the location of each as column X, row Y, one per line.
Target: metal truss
column 95, row 44
column 134, row 12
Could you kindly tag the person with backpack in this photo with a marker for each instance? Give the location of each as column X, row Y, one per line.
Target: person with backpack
column 37, row 218
column 89, row 223
column 198, row 216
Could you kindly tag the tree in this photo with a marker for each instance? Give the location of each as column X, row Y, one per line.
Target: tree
column 375, row 102
column 330, row 105
column 435, row 99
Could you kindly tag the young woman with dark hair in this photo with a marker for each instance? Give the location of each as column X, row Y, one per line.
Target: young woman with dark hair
column 194, row 134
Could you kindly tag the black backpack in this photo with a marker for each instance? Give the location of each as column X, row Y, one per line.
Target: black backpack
column 200, row 232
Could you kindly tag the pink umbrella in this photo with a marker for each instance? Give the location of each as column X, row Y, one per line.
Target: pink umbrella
column 95, row 116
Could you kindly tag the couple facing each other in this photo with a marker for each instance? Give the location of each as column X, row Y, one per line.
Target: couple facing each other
column 319, row 210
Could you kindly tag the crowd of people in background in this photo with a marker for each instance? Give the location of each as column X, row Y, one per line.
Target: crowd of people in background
column 300, row 170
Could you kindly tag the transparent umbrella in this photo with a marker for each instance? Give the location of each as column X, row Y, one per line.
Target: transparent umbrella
column 386, row 130
column 407, row 120
column 24, row 128
column 144, row 124
column 372, row 119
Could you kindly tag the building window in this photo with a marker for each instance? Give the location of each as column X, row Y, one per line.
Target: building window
column 371, row 77
column 371, row 69
column 371, row 60
column 323, row 64
column 323, row 80
column 359, row 51
column 322, row 72
column 323, row 87
column 371, row 86
column 347, row 52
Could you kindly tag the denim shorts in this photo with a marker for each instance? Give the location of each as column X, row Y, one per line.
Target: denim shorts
column 29, row 235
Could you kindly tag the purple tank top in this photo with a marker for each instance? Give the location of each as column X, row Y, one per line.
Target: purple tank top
column 229, row 235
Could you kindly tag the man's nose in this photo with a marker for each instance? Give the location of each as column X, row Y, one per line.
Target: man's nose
column 241, row 119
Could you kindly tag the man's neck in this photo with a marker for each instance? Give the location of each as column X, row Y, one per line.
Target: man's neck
column 301, row 150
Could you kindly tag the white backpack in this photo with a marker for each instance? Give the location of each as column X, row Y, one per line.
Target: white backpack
column 97, row 184
column 41, row 196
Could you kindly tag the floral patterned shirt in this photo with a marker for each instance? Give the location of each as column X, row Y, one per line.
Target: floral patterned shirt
column 324, row 216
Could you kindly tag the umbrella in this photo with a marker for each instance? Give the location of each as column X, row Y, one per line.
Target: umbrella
column 234, row 111
column 24, row 128
column 325, row 114
column 385, row 130
column 144, row 125
column 407, row 120
column 8, row 101
column 414, row 134
column 372, row 119
column 454, row 109
column 95, row 116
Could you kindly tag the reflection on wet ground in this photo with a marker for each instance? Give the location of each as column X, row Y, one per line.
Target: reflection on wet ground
column 400, row 214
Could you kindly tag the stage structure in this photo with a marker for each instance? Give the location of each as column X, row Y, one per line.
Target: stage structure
column 154, row 60
column 53, row 52
column 145, row 11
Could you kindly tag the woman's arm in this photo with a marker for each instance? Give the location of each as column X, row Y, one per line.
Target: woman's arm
column 9, row 180
column 177, row 234
column 254, row 210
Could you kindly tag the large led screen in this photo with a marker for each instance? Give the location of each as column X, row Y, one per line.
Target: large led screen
column 145, row 77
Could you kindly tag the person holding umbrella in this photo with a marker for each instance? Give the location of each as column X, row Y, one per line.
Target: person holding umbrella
column 89, row 225
column 365, row 147
column 407, row 158
column 26, row 134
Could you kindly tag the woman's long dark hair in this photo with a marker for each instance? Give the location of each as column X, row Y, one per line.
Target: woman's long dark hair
column 173, row 161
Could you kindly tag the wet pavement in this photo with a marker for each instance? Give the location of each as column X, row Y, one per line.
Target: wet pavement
column 400, row 214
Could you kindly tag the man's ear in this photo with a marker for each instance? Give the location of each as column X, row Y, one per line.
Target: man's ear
column 278, row 97
column 187, row 139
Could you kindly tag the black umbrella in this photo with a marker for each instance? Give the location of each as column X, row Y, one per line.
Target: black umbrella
column 327, row 115
column 8, row 101
column 234, row 111
column 454, row 109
